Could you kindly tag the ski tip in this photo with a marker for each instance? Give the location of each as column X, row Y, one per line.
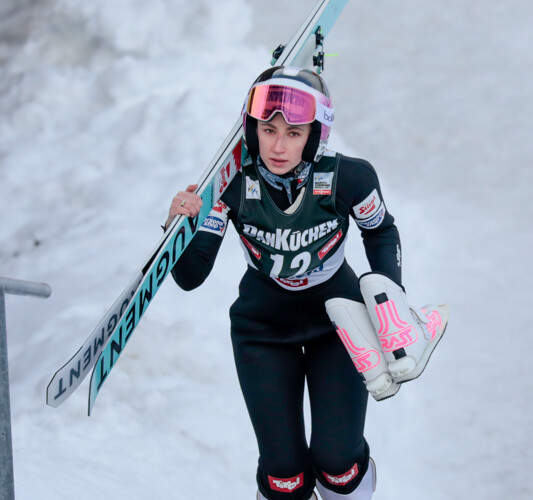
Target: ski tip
column 51, row 401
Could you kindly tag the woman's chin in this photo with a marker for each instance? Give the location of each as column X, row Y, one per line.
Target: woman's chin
column 279, row 168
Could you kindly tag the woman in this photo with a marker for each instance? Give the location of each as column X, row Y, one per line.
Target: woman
column 290, row 206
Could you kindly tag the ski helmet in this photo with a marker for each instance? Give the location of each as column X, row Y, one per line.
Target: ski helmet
column 301, row 96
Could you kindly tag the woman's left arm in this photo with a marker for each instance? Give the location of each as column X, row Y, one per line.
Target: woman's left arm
column 360, row 193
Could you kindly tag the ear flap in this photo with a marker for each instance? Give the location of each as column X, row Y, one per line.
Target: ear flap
column 313, row 142
column 250, row 136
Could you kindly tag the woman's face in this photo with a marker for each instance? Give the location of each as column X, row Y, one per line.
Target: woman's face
column 281, row 145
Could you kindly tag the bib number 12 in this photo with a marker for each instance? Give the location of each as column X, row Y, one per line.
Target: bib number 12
column 303, row 260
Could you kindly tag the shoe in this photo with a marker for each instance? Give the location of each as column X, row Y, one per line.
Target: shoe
column 261, row 497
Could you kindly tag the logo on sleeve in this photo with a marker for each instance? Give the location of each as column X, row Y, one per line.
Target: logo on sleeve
column 220, row 207
column 370, row 213
column 217, row 220
column 214, row 225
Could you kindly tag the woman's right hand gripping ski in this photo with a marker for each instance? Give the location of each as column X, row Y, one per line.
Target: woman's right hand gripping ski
column 185, row 203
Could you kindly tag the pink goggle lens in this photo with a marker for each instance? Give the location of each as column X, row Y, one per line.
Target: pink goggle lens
column 297, row 106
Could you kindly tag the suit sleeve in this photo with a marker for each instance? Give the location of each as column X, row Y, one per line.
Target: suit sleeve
column 359, row 194
column 198, row 259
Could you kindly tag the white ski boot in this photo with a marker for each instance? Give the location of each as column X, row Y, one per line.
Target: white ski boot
column 261, row 497
column 408, row 336
column 364, row 491
column 357, row 333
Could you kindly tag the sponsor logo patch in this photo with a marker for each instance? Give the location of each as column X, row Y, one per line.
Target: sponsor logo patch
column 214, row 224
column 256, row 253
column 220, row 207
column 286, row 485
column 322, row 182
column 343, row 478
column 374, row 221
column 217, row 220
column 331, row 243
column 369, row 206
column 252, row 189
column 399, row 255
column 286, row 239
column 293, row 283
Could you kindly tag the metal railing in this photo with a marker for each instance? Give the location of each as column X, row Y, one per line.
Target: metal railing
column 14, row 287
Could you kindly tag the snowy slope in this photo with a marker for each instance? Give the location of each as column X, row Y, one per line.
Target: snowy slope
column 108, row 108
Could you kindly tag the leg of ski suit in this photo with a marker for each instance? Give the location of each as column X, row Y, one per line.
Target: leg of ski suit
column 282, row 339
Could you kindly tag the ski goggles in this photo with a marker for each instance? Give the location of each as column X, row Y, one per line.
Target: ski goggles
column 297, row 106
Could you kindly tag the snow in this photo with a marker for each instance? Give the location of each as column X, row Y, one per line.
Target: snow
column 108, row 108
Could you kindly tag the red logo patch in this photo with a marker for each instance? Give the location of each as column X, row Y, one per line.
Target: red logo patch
column 368, row 208
column 286, row 485
column 256, row 253
column 219, row 207
column 331, row 243
column 296, row 283
column 343, row 478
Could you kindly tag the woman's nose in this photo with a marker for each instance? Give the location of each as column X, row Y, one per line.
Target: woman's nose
column 279, row 144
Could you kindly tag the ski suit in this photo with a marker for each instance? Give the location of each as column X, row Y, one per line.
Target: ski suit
column 282, row 337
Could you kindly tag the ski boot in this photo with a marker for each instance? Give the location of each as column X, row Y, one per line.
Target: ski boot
column 407, row 335
column 364, row 491
column 355, row 329
column 261, row 497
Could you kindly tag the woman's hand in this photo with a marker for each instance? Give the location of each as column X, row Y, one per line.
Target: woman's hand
column 185, row 203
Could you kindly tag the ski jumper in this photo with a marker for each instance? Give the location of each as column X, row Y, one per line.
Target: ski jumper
column 282, row 337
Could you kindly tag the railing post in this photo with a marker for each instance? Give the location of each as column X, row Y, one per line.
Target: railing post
column 17, row 287
column 7, row 489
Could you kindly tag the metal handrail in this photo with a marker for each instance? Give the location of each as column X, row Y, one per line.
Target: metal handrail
column 20, row 287
column 13, row 287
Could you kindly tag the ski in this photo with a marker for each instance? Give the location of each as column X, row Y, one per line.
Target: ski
column 108, row 339
column 211, row 185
